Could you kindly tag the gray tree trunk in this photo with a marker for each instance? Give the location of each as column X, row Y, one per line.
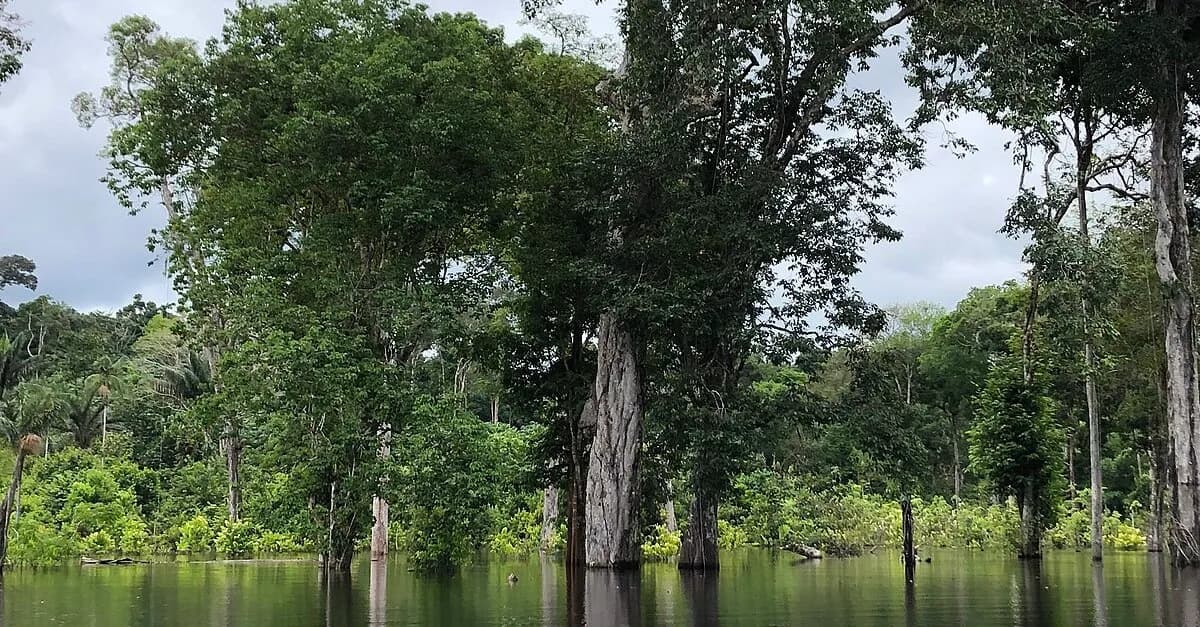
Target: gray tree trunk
column 672, row 521
column 1084, row 159
column 698, row 548
column 1031, row 525
column 1154, row 514
column 549, row 516
column 611, row 537
column 379, row 506
column 1172, row 260
column 232, row 444
column 14, row 487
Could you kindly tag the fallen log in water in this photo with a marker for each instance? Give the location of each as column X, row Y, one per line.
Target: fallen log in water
column 119, row 561
column 807, row 552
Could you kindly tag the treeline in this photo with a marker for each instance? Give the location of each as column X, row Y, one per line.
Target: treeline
column 390, row 228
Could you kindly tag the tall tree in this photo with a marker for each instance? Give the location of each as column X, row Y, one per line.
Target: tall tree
column 12, row 45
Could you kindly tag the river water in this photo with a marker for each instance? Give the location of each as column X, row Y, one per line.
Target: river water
column 754, row 587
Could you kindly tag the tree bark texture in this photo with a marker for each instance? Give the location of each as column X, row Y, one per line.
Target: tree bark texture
column 232, row 444
column 1172, row 260
column 549, row 516
column 698, row 548
column 14, row 487
column 611, row 511
column 379, row 506
column 1084, row 159
column 1031, row 524
column 906, row 533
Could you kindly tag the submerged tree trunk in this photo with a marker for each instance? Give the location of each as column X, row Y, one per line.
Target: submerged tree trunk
column 232, row 444
column 909, row 550
column 611, row 512
column 549, row 517
column 1172, row 260
column 698, row 548
column 379, row 529
column 14, row 487
column 1031, row 524
column 379, row 505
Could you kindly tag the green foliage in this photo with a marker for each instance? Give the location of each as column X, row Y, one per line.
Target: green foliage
column 1074, row 528
column 1016, row 443
column 195, row 536
column 660, row 544
column 445, row 478
column 773, row 510
column 276, row 542
column 237, row 539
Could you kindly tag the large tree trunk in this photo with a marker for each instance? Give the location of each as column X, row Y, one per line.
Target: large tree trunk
column 698, row 548
column 14, row 487
column 232, row 444
column 669, row 509
column 1172, row 260
column 1031, row 524
column 549, row 516
column 611, row 513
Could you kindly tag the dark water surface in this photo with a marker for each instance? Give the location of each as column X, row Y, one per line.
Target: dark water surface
column 754, row 588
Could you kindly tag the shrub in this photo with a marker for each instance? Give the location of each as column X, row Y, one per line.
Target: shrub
column 236, row 538
column 134, row 539
column 195, row 536
column 660, row 544
column 275, row 542
column 730, row 536
column 98, row 543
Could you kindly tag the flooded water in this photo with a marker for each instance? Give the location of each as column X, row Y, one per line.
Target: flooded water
column 753, row 588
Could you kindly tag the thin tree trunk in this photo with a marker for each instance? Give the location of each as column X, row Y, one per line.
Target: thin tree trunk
column 549, row 516
column 611, row 512
column 14, row 487
column 906, row 533
column 698, row 549
column 233, row 461
column 495, row 409
column 958, row 477
column 1069, row 454
column 1172, row 260
column 379, row 506
column 1154, row 515
column 1082, row 174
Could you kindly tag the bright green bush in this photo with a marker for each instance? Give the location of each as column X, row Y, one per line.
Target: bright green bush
column 98, row 543
column 237, row 539
column 660, row 544
column 276, row 542
column 134, row 538
column 1074, row 528
column 774, row 510
column 730, row 536
column 195, row 536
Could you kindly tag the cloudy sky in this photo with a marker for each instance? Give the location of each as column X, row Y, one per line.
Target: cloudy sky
column 91, row 254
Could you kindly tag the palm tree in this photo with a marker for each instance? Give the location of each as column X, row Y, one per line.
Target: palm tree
column 85, row 411
column 35, row 406
column 15, row 358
